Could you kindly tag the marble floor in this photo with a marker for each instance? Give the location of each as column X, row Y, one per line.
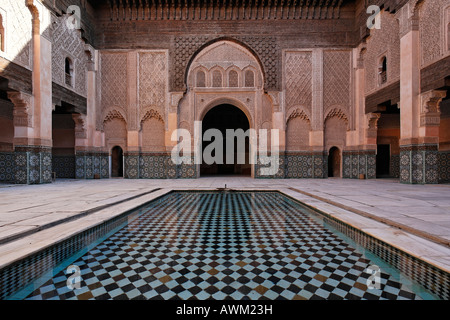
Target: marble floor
column 413, row 218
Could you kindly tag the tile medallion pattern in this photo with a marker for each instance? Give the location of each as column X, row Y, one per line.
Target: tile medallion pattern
column 157, row 166
column 64, row 166
column 33, row 165
column 90, row 165
column 444, row 166
column 7, row 167
column 358, row 162
column 419, row 164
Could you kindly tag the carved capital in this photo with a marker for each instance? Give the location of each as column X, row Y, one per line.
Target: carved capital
column 31, row 4
column 80, row 125
column 23, row 106
column 360, row 59
column 408, row 18
column 90, row 56
column 372, row 124
column 430, row 113
column 175, row 99
column 275, row 96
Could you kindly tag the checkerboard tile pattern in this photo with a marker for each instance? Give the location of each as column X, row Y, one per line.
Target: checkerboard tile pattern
column 224, row 246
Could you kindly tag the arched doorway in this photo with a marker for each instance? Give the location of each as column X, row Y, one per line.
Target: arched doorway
column 117, row 162
column 334, row 163
column 221, row 118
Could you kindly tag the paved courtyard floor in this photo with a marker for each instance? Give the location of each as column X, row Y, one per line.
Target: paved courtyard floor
column 415, row 218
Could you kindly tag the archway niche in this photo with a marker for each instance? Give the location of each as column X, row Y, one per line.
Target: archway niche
column 334, row 163
column 116, row 162
column 222, row 118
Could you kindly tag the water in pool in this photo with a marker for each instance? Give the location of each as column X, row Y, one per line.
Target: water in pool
column 224, row 245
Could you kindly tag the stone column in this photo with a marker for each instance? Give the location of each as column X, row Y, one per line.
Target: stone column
column 411, row 160
column 33, row 114
column 370, row 145
column 419, row 115
column 361, row 158
column 427, row 152
column 173, row 170
column 278, row 123
column 131, row 155
column 316, row 136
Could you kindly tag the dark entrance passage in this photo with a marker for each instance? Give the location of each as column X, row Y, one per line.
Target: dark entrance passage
column 334, row 163
column 63, row 136
column 117, row 162
column 225, row 117
column 383, row 160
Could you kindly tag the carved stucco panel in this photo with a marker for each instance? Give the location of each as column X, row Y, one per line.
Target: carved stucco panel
column 298, row 79
column 17, row 23
column 113, row 66
column 432, row 30
column 153, row 74
column 67, row 43
column 337, row 78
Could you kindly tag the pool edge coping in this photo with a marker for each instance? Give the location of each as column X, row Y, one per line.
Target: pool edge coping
column 165, row 191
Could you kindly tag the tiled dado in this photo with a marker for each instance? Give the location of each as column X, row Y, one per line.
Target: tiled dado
column 264, row 167
column 157, row 166
column 356, row 163
column 419, row 164
column 395, row 166
column 33, row 165
column 444, row 167
column 304, row 165
column 90, row 165
column 64, row 166
column 7, row 167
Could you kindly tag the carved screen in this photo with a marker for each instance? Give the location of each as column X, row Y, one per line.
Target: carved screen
column 233, row 79
column 249, row 79
column 201, row 79
column 217, row 79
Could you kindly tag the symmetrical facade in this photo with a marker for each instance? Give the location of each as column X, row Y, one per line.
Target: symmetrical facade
column 96, row 89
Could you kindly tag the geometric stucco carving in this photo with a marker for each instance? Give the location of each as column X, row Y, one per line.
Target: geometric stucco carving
column 337, row 113
column 114, row 114
column 298, row 113
column 185, row 47
column 298, row 83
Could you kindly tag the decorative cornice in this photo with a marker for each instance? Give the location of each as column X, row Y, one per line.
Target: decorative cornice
column 223, row 10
